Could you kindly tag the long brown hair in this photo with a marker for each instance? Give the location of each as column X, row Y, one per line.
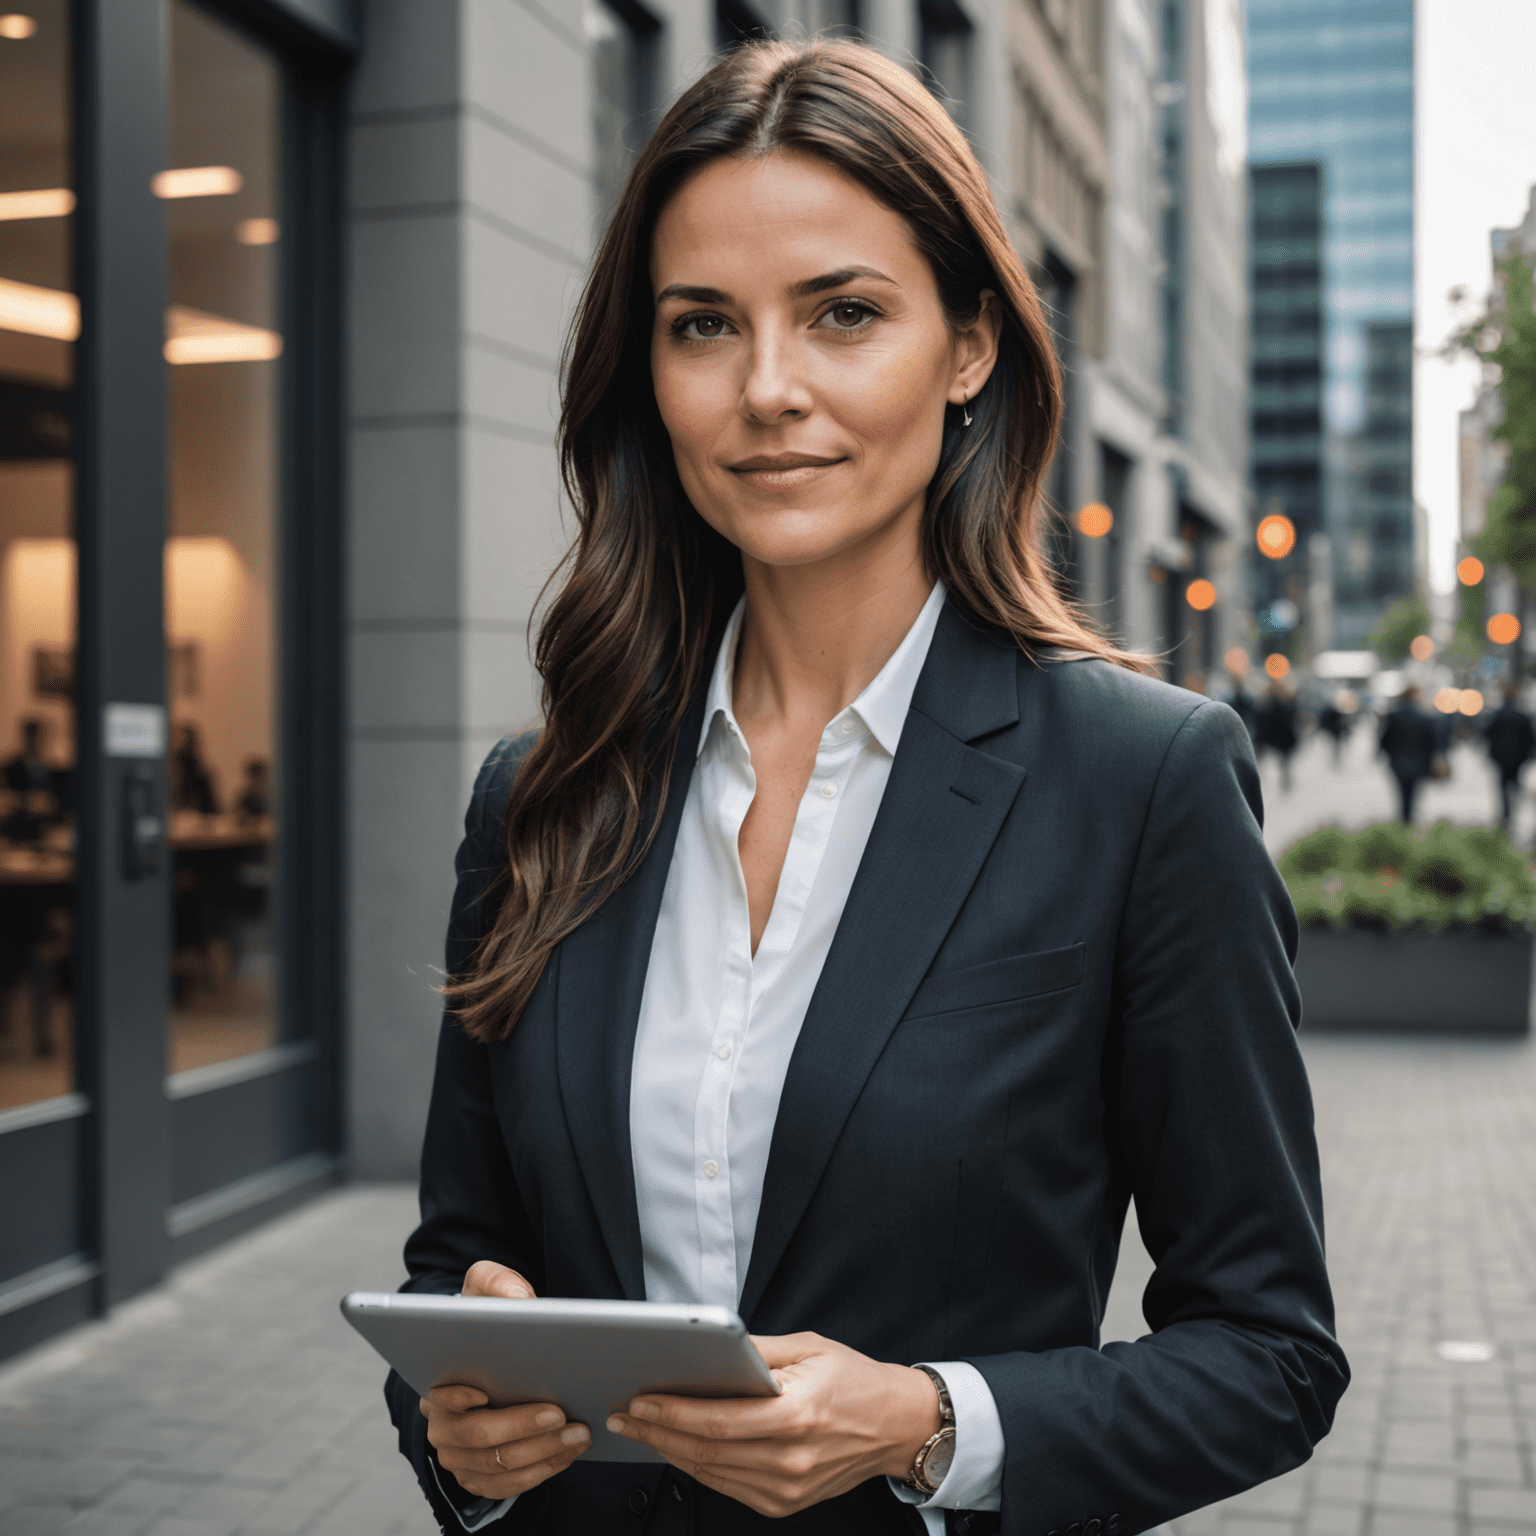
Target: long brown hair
column 648, row 584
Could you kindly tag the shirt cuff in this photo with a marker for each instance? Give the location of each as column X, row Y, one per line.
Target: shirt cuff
column 474, row 1513
column 975, row 1477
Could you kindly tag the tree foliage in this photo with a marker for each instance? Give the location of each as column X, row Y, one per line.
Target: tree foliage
column 1396, row 628
column 1506, row 337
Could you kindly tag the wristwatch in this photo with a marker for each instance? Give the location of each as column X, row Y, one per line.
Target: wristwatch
column 932, row 1463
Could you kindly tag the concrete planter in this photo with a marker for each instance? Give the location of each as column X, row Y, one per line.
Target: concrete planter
column 1415, row 980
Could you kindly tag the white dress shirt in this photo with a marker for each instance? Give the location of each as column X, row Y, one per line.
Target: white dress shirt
column 718, row 1024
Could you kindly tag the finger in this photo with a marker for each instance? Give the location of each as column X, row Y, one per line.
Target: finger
column 518, row 1455
column 484, row 1428
column 453, row 1398
column 487, row 1278
column 787, row 1348
column 732, row 1418
column 507, row 1485
column 705, row 1450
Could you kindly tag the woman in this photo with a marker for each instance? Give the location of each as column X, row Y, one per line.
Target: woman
column 861, row 931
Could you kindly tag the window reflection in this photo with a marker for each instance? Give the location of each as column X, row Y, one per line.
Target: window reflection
column 39, row 319
column 222, row 343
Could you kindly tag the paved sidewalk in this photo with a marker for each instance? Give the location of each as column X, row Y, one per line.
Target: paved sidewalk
column 236, row 1402
column 235, row 1399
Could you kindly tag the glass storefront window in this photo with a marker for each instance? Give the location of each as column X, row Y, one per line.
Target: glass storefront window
column 223, row 209
column 39, row 321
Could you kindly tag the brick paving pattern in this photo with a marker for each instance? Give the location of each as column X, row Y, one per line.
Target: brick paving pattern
column 235, row 1402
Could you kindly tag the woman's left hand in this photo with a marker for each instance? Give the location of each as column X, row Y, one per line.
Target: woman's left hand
column 841, row 1419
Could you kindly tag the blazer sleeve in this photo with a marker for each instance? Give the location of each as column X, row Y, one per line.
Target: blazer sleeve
column 1208, row 1111
column 470, row 1206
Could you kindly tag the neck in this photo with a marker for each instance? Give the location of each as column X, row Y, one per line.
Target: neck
column 814, row 637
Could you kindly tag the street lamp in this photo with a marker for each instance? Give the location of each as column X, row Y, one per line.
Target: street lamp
column 1469, row 571
column 1503, row 629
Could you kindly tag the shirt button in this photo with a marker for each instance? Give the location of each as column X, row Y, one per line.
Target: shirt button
column 828, row 790
column 711, row 1168
column 724, row 1053
column 847, row 727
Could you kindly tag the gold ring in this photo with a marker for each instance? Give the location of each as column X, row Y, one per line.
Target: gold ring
column 496, row 1452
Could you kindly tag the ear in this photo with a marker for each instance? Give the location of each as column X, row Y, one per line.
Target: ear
column 975, row 350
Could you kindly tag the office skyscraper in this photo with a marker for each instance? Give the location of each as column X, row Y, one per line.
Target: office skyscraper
column 1331, row 134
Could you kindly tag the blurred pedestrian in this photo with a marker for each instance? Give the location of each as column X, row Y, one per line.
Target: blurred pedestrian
column 1408, row 742
column 1240, row 702
column 191, row 778
column 1277, row 728
column 1511, row 742
column 1335, row 723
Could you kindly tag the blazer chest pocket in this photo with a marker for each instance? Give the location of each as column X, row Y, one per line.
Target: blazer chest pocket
column 999, row 981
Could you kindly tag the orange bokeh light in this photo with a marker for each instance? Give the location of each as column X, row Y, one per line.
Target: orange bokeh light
column 1471, row 702
column 1094, row 520
column 1236, row 661
column 1200, row 595
column 1422, row 648
column 1277, row 666
column 1448, row 700
column 1503, row 629
column 1469, row 571
column 1276, row 536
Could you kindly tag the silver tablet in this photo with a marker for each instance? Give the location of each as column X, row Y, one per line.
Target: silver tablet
column 590, row 1357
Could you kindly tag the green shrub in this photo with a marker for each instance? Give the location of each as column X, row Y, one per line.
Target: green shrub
column 1392, row 876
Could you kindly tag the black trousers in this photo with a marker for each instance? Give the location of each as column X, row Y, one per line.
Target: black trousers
column 1509, row 788
column 1407, row 787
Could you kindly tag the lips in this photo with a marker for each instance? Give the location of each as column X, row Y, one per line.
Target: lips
column 784, row 471
column 772, row 463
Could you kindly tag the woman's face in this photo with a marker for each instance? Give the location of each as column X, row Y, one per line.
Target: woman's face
column 802, row 360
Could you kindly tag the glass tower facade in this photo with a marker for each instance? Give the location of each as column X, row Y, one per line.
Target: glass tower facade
column 1331, row 86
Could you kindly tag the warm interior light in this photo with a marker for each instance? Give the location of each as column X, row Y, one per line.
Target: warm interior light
column 38, row 311
column 1200, row 595
column 1422, row 648
column 1277, row 666
column 44, row 203
column 202, row 583
column 193, row 336
column 1276, row 536
column 1236, row 661
column 1471, row 702
column 257, row 231
column 1503, row 629
column 17, row 27
column 1448, row 700
column 1469, row 571
column 198, row 181
column 40, row 578
column 1094, row 520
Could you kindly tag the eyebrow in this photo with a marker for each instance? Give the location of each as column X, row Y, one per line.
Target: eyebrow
column 812, row 285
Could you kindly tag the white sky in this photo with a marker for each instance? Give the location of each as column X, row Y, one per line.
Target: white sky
column 1476, row 160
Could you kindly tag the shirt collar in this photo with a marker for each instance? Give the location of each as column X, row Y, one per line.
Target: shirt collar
column 882, row 706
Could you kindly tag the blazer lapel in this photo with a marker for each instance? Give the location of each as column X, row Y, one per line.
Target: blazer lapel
column 943, row 807
column 602, row 976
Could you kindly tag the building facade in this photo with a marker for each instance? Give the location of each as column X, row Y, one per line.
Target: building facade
column 283, row 289
column 1160, row 439
column 1332, row 88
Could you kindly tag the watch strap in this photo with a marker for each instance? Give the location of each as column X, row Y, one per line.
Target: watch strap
column 918, row 1477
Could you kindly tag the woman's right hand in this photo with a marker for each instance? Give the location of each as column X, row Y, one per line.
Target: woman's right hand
column 497, row 1453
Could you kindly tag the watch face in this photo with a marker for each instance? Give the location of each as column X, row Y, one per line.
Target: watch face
column 940, row 1458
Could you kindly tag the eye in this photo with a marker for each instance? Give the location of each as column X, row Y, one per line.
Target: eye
column 700, row 327
column 849, row 315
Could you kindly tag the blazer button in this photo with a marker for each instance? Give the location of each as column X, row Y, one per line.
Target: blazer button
column 1092, row 1528
column 637, row 1500
column 1075, row 1529
column 1114, row 1526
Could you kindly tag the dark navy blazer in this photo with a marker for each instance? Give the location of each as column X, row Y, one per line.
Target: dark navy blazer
column 1062, row 979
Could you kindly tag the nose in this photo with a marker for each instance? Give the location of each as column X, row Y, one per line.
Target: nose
column 774, row 388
